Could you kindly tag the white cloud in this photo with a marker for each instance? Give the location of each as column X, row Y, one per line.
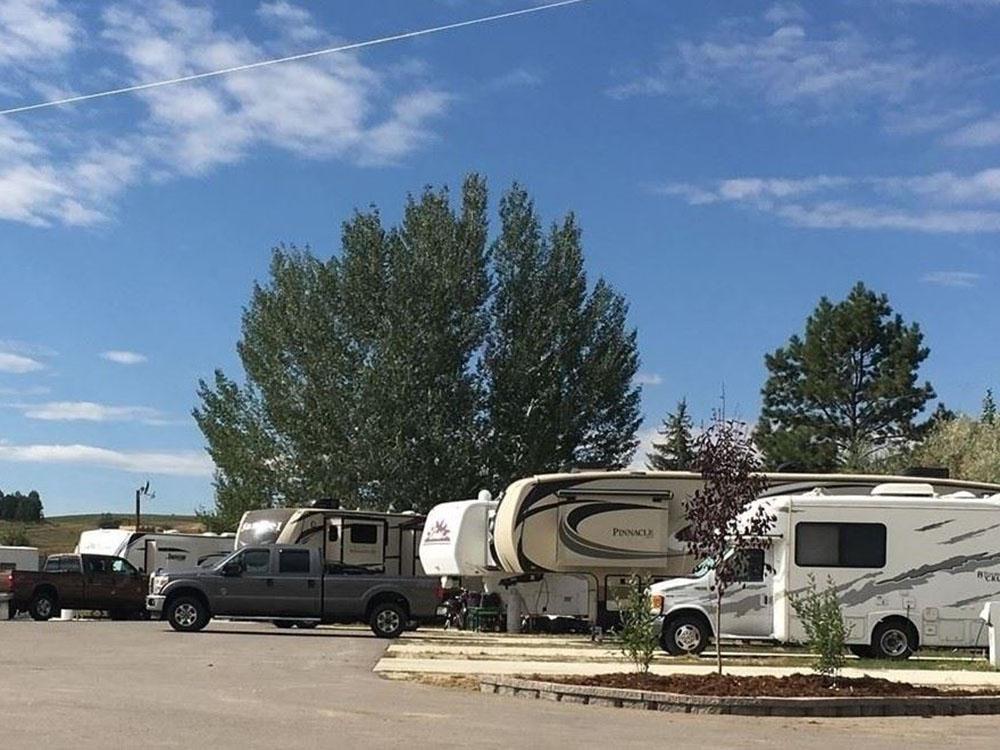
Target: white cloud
column 963, row 279
column 516, row 78
column 88, row 411
column 646, row 440
column 334, row 107
column 179, row 463
column 984, row 132
column 649, row 378
column 35, row 31
column 35, row 390
column 782, row 13
column 18, row 364
column 941, row 202
column 123, row 357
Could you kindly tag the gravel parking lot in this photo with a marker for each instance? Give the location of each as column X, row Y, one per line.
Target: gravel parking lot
column 133, row 684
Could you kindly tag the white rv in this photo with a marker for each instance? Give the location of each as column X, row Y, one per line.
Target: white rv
column 386, row 542
column 456, row 544
column 148, row 551
column 18, row 558
column 911, row 568
column 607, row 525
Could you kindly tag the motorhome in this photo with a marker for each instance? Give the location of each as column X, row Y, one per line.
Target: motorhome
column 18, row 558
column 149, row 551
column 384, row 542
column 911, row 568
column 607, row 525
column 456, row 545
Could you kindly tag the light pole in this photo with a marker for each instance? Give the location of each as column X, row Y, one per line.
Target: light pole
column 139, row 493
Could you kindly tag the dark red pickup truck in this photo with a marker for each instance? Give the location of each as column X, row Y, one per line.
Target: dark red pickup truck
column 91, row 582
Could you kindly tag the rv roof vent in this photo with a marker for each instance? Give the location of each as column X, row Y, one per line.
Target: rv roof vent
column 961, row 495
column 817, row 492
column 484, row 496
column 907, row 489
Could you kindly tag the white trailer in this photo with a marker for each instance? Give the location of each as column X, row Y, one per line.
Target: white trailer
column 911, row 568
column 383, row 542
column 609, row 524
column 18, row 558
column 456, row 544
column 166, row 551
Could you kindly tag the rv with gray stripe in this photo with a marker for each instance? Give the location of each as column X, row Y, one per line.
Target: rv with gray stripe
column 606, row 525
column 911, row 568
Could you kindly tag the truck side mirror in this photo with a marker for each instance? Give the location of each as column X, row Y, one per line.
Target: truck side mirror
column 232, row 568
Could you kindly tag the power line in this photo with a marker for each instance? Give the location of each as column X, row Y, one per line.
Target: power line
column 290, row 58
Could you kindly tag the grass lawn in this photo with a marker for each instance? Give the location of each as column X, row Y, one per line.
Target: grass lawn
column 61, row 533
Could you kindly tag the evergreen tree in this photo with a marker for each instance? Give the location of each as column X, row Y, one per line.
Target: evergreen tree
column 675, row 450
column 847, row 389
column 989, row 415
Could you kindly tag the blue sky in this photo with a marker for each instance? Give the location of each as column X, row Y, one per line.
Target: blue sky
column 730, row 163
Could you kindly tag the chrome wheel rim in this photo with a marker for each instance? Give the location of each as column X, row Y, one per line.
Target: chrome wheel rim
column 44, row 607
column 894, row 642
column 687, row 637
column 186, row 615
column 387, row 621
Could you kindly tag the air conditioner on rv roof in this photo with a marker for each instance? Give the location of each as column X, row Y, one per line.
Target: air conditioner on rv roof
column 904, row 489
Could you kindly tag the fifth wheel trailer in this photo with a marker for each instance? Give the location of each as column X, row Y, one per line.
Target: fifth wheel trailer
column 910, row 567
column 609, row 524
column 149, row 551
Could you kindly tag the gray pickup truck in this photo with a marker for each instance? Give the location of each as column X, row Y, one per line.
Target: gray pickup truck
column 288, row 584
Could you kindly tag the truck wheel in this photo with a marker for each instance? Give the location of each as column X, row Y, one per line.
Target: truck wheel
column 43, row 606
column 187, row 614
column 388, row 620
column 684, row 635
column 893, row 639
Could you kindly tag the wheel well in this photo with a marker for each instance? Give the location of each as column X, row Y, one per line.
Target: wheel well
column 46, row 588
column 696, row 613
column 387, row 596
column 191, row 592
column 903, row 622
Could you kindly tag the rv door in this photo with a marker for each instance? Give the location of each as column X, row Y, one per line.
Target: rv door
column 334, row 541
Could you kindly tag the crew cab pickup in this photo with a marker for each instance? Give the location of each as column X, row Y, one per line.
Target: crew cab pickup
column 91, row 582
column 288, row 583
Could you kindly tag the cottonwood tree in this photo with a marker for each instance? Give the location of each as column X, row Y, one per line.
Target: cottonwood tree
column 722, row 520
column 674, row 451
column 420, row 364
column 847, row 389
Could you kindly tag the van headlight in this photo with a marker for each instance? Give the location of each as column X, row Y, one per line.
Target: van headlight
column 156, row 584
column 656, row 604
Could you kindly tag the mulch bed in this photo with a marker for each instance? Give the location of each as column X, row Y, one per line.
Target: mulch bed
column 791, row 686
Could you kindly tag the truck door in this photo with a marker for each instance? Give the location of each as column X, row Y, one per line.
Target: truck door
column 749, row 604
column 250, row 591
column 68, row 579
column 128, row 585
column 297, row 586
column 98, row 582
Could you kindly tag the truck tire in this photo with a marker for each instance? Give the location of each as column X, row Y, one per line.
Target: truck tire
column 43, row 606
column 684, row 635
column 893, row 639
column 187, row 614
column 388, row 620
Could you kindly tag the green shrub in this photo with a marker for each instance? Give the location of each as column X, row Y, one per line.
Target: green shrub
column 639, row 636
column 823, row 622
column 14, row 536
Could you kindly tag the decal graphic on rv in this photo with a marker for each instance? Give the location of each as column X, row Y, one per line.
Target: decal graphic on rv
column 439, row 533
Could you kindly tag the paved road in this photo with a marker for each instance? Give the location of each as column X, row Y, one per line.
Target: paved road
column 118, row 685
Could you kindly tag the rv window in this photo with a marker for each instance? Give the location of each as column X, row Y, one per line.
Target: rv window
column 749, row 566
column 364, row 534
column 840, row 545
column 334, row 533
column 293, row 561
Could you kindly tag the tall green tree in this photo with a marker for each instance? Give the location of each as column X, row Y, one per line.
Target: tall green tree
column 989, row 415
column 674, row 451
column 419, row 364
column 847, row 389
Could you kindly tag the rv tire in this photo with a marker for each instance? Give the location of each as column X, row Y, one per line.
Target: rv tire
column 388, row 619
column 685, row 634
column 187, row 614
column 894, row 639
column 43, row 606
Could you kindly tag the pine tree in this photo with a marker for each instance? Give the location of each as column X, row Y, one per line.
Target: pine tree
column 847, row 389
column 989, row 414
column 675, row 451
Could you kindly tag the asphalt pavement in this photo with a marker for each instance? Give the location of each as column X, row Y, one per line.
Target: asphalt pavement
column 134, row 684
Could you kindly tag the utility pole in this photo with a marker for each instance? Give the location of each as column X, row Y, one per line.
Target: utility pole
column 144, row 490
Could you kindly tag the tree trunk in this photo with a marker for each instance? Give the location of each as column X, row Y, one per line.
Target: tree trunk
column 718, row 628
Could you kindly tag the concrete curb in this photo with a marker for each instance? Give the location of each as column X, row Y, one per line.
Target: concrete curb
column 943, row 705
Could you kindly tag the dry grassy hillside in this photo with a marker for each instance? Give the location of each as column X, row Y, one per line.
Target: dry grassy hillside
column 60, row 533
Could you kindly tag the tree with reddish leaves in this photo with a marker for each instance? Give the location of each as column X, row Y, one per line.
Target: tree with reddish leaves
column 722, row 516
